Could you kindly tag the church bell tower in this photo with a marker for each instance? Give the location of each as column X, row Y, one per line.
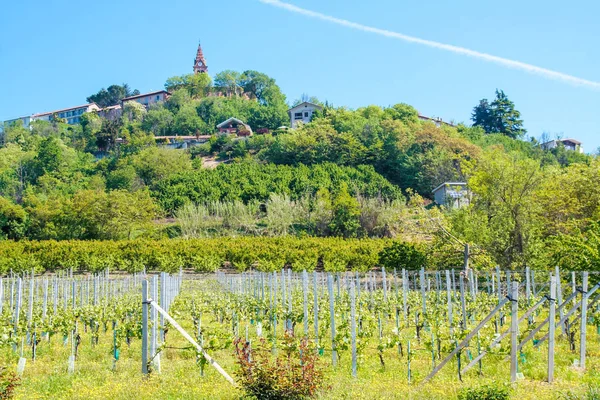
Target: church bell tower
column 200, row 62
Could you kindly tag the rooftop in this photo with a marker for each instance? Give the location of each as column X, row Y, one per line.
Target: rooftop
column 305, row 103
column 449, row 184
column 66, row 109
column 137, row 96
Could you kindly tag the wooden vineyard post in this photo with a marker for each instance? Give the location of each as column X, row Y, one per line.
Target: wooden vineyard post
column 332, row 319
column 551, row 329
column 514, row 327
column 583, row 329
column 145, row 327
column 353, row 327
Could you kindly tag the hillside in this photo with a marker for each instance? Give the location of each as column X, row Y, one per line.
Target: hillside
column 367, row 172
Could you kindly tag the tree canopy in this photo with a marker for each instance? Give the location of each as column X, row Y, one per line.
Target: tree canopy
column 112, row 95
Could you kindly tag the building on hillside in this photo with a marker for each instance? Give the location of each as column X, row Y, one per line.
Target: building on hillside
column 111, row 112
column 302, row 113
column 234, row 126
column 147, row 99
column 181, row 142
column 199, row 62
column 24, row 120
column 452, row 194
column 72, row 115
column 436, row 120
column 570, row 144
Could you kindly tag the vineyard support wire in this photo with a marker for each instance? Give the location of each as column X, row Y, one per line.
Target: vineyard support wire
column 208, row 358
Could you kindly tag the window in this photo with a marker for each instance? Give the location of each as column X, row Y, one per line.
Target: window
column 306, row 114
column 298, row 115
column 157, row 97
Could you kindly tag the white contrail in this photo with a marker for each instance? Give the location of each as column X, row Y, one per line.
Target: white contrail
column 547, row 73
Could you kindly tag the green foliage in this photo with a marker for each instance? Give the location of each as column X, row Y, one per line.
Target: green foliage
column 397, row 255
column 485, row 392
column 201, row 255
column 196, row 85
column 8, row 383
column 346, row 211
column 499, row 117
column 153, row 165
column 112, row 95
column 293, row 374
column 253, row 181
column 12, row 220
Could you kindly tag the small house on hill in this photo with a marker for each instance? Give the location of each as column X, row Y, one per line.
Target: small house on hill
column 302, row 113
column 234, row 126
column 452, row 194
column 570, row 144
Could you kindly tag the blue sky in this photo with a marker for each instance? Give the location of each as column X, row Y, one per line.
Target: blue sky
column 54, row 53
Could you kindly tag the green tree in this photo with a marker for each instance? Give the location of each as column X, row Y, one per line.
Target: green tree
column 505, row 195
column 112, row 95
column 133, row 111
column 155, row 164
column 50, row 156
column 187, row 121
column 345, row 220
column 158, row 120
column 12, row 220
column 499, row 117
column 228, row 81
column 197, row 85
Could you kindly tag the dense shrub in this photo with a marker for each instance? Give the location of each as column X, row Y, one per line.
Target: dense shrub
column 201, row 255
column 485, row 392
column 402, row 255
column 252, row 181
column 8, row 383
column 293, row 374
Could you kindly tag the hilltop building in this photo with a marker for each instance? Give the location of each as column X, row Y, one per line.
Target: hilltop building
column 436, row 120
column 147, row 99
column 234, row 126
column 570, row 144
column 72, row 115
column 302, row 113
column 452, row 194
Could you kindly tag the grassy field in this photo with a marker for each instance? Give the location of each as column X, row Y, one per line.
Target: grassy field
column 94, row 378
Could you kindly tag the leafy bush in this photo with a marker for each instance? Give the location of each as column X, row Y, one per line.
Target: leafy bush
column 402, row 255
column 592, row 393
column 293, row 374
column 201, row 255
column 8, row 383
column 485, row 392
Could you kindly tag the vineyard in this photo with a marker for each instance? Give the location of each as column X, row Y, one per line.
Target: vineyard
column 378, row 334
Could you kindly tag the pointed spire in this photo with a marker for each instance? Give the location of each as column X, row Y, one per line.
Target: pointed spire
column 200, row 63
